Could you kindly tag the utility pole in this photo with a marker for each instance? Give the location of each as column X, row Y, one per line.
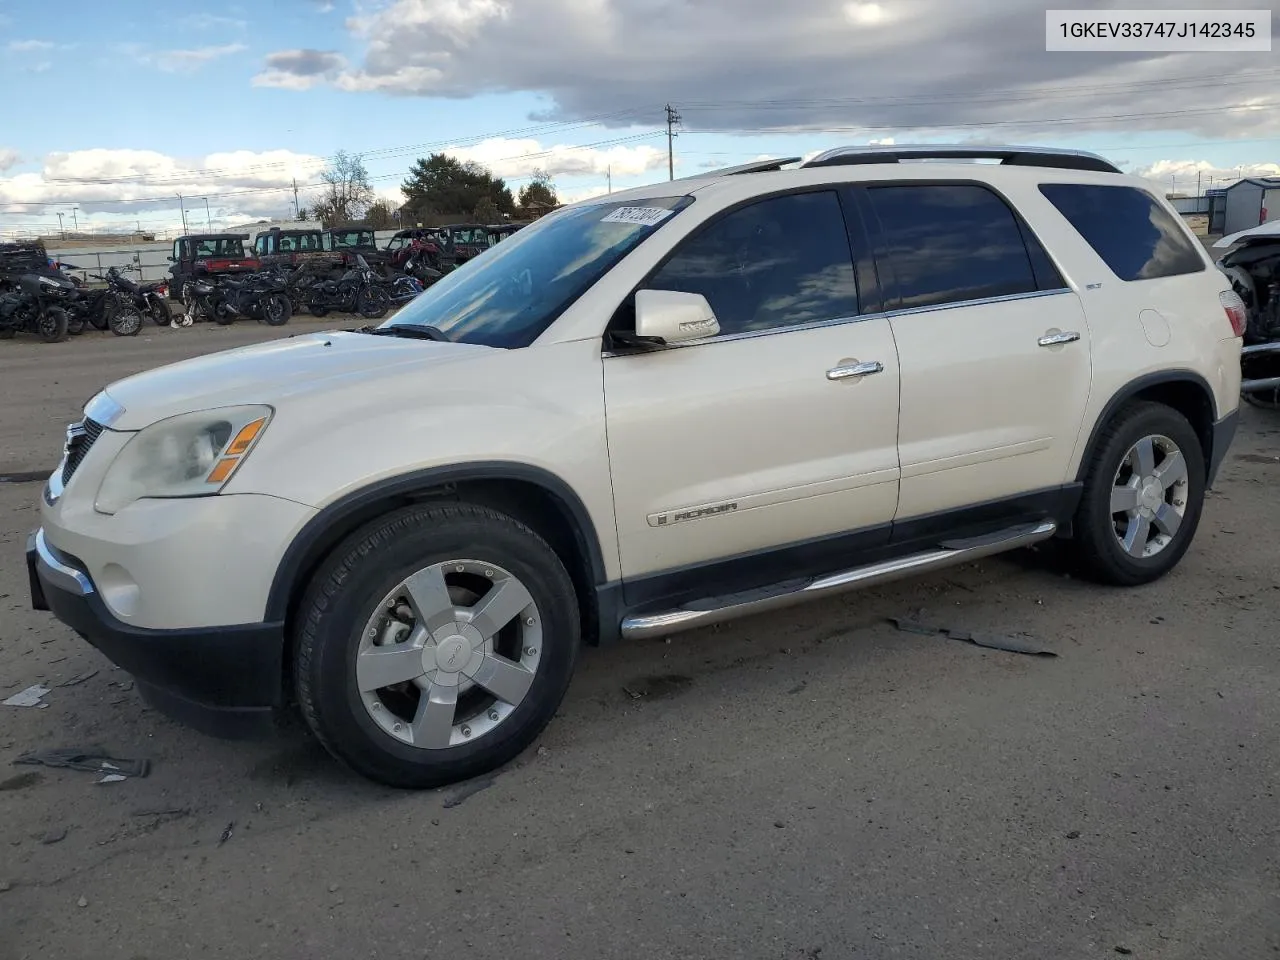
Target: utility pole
column 673, row 117
column 184, row 214
column 60, row 230
column 75, row 221
column 609, row 175
column 296, row 208
column 208, row 217
column 1198, row 191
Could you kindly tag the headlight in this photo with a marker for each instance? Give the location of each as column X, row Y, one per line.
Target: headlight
column 192, row 455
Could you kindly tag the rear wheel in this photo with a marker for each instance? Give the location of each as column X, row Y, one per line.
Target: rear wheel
column 372, row 302
column 435, row 644
column 75, row 324
column 51, row 325
column 221, row 315
column 1142, row 496
column 317, row 309
column 160, row 313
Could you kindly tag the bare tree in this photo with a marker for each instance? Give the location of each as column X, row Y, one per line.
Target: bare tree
column 347, row 193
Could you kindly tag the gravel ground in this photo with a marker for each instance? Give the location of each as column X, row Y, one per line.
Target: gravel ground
column 810, row 784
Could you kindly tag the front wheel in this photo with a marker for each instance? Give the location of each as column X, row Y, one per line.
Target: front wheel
column 435, row 644
column 276, row 310
column 317, row 309
column 372, row 302
column 1142, row 496
column 126, row 321
column 75, row 324
column 51, row 325
column 222, row 314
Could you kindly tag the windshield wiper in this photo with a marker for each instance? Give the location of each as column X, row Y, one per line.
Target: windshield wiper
column 412, row 331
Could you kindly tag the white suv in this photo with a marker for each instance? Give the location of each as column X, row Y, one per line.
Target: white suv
column 643, row 413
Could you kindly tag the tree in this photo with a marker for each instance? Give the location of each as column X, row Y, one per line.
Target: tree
column 443, row 185
column 303, row 214
column 539, row 192
column 486, row 211
column 380, row 216
column 347, row 193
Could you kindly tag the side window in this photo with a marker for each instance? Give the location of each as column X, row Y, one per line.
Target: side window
column 1135, row 236
column 177, row 249
column 948, row 243
column 776, row 263
column 260, row 245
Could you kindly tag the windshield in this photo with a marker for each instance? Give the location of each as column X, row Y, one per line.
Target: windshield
column 512, row 293
column 219, row 247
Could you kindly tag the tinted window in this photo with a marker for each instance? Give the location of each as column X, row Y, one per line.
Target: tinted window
column 948, row 243
column 776, row 263
column 1136, row 237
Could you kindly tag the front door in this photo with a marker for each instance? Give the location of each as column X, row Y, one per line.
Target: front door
column 769, row 434
column 994, row 348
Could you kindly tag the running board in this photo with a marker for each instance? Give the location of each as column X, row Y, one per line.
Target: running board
column 701, row 613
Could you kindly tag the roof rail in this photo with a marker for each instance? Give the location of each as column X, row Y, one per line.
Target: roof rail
column 1011, row 155
column 755, row 166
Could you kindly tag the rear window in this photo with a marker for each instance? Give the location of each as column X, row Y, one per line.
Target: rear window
column 951, row 243
column 1134, row 235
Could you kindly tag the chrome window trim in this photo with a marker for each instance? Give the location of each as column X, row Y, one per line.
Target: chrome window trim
column 840, row 321
column 58, row 570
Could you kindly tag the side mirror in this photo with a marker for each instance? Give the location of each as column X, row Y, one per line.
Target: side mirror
column 171, row 259
column 670, row 316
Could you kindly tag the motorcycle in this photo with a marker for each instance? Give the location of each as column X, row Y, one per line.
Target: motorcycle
column 1254, row 271
column 106, row 308
column 151, row 299
column 359, row 290
column 33, row 308
column 263, row 296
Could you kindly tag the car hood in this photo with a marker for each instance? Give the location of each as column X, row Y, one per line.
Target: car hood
column 1270, row 229
column 274, row 372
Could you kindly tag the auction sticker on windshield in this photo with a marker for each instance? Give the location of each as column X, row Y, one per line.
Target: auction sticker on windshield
column 640, row 216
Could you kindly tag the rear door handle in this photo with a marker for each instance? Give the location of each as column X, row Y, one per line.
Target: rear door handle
column 1062, row 336
column 846, row 370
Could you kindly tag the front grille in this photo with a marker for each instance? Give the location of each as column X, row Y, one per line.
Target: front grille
column 80, row 437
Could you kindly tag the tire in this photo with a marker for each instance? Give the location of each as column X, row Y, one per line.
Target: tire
column 161, row 315
column 221, row 315
column 126, row 321
column 349, row 595
column 1101, row 535
column 317, row 309
column 1263, row 399
column 372, row 302
column 276, row 310
column 8, row 333
column 51, row 325
column 75, row 324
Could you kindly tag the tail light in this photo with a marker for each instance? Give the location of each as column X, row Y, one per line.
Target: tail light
column 1237, row 313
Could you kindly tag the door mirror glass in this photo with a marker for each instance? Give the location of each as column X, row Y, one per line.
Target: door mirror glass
column 673, row 315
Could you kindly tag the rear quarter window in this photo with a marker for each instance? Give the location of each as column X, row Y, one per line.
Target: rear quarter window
column 1135, row 236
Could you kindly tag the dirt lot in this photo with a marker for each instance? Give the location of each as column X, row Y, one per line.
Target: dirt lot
column 808, row 784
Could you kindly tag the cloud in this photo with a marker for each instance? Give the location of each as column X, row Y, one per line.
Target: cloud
column 114, row 181
column 1183, row 175
column 187, row 61
column 29, row 46
column 209, row 21
column 9, row 158
column 323, row 6
column 521, row 157
column 866, row 69
column 300, row 69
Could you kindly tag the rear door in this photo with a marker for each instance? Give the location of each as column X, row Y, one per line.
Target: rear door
column 736, row 445
column 994, row 346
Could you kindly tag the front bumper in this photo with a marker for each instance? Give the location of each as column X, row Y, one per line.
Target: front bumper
column 224, row 681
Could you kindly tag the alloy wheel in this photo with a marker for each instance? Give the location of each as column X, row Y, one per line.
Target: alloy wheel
column 1149, row 496
column 449, row 654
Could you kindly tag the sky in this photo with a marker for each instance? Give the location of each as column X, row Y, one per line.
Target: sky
column 117, row 109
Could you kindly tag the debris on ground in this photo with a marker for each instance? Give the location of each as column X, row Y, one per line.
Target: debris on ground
column 82, row 902
column 1073, row 835
column 226, row 834
column 1123, row 950
column 76, row 681
column 468, row 790
column 544, row 752
column 91, row 759
column 992, row 641
column 166, row 812
column 654, row 687
column 799, row 686
column 29, row 697
column 54, row 836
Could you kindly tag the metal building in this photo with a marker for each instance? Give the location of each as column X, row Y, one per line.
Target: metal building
column 1251, row 202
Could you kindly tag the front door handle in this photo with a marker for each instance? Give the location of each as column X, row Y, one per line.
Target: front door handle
column 855, row 369
column 1061, row 336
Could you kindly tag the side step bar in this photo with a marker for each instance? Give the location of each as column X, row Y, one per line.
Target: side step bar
column 1267, row 383
column 702, row 613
